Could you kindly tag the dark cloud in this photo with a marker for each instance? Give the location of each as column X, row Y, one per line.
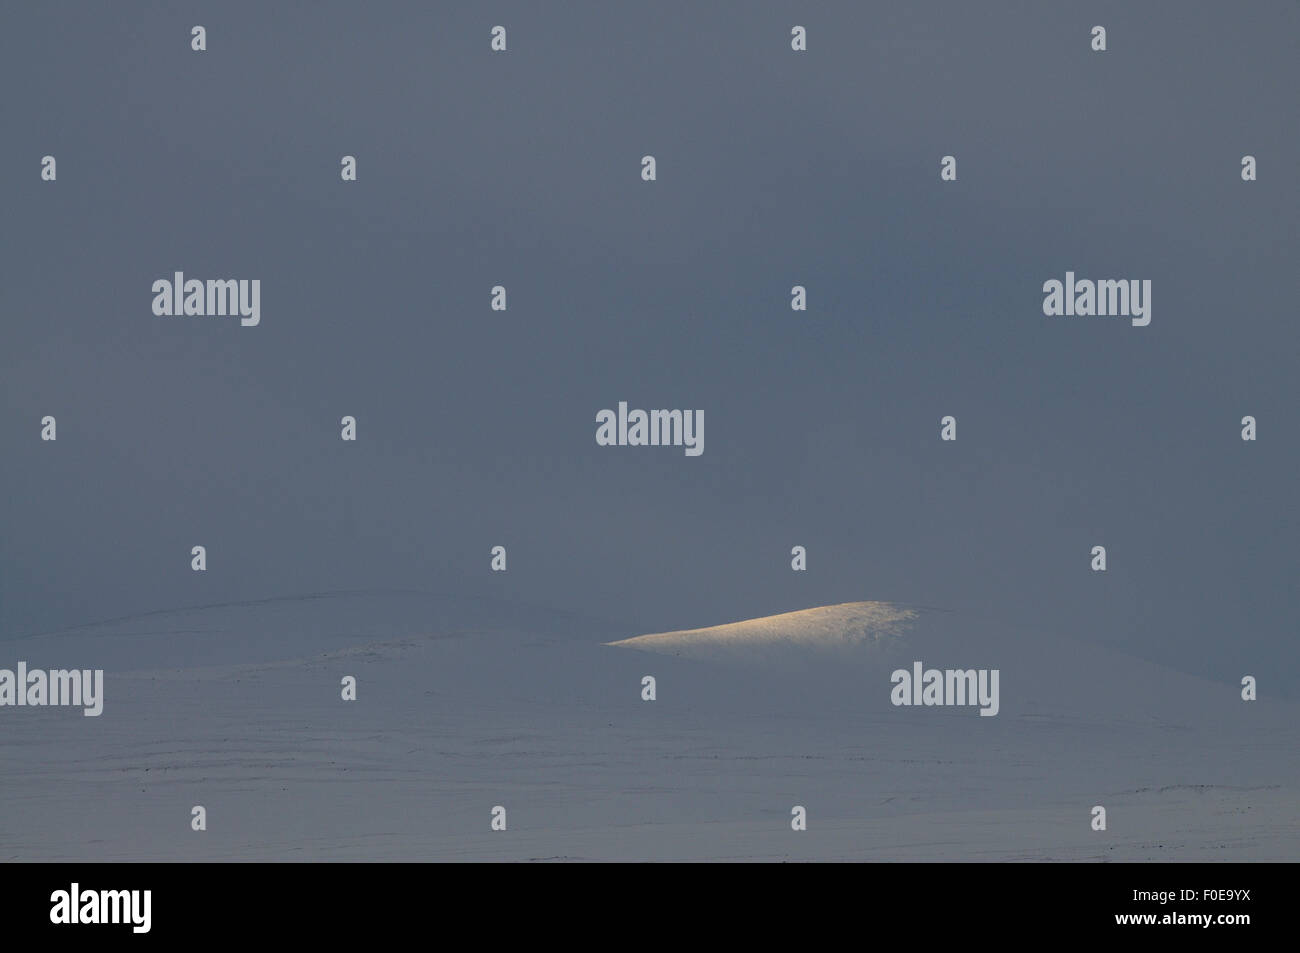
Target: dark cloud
column 477, row 427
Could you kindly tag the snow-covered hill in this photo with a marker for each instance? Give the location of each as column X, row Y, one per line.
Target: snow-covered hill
column 848, row 625
column 464, row 705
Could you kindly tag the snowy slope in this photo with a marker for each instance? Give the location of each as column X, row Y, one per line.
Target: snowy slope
column 465, row 705
column 849, row 625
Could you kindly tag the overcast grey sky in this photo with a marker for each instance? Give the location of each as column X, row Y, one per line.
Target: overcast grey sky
column 775, row 168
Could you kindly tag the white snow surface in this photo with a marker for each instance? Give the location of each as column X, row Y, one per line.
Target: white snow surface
column 468, row 704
